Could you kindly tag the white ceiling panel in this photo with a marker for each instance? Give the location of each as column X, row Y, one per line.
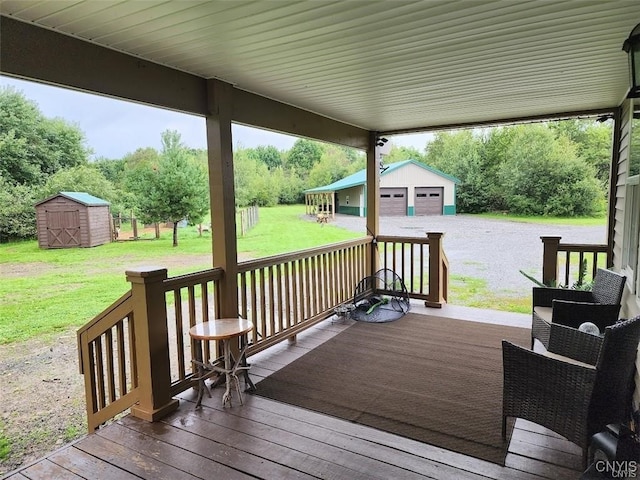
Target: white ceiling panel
column 381, row 65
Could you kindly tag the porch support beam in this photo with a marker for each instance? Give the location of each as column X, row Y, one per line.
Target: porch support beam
column 373, row 201
column 255, row 110
column 35, row 53
column 547, row 117
column 222, row 194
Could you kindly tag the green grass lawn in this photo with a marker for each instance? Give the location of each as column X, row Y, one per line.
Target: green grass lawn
column 578, row 221
column 46, row 291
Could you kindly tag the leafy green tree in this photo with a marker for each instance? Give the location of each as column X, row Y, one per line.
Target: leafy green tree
column 112, row 169
column 459, row 154
column 290, row 186
column 304, row 155
column 269, row 155
column 542, row 175
column 17, row 212
column 254, row 184
column 173, row 190
column 33, row 146
column 333, row 165
column 593, row 142
column 146, row 157
column 400, row 154
column 85, row 178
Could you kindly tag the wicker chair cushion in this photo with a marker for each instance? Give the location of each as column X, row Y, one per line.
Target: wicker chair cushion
column 600, row 306
column 562, row 358
column 545, row 313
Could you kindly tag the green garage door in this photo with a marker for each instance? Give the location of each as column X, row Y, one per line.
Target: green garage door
column 393, row 201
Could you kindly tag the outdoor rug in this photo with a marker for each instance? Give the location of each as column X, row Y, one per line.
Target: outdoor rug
column 435, row 380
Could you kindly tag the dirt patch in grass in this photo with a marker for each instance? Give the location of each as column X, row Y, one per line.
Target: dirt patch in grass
column 42, row 398
column 17, row 270
column 42, row 390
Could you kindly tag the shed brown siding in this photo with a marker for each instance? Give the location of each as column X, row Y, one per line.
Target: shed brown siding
column 99, row 218
column 65, row 223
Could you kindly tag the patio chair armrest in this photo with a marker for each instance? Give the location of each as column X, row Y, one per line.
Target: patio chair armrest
column 541, row 389
column 573, row 314
column 544, row 296
column 572, row 343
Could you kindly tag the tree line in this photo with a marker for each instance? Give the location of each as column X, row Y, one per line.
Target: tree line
column 558, row 168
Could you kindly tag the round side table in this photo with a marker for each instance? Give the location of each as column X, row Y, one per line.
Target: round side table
column 224, row 330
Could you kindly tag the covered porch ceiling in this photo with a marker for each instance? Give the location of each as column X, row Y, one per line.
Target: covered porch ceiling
column 384, row 66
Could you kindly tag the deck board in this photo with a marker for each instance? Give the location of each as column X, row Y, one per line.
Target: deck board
column 46, row 470
column 268, row 439
column 361, row 457
column 88, row 466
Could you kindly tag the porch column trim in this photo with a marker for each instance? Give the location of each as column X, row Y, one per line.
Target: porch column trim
column 152, row 343
column 222, row 194
column 373, row 201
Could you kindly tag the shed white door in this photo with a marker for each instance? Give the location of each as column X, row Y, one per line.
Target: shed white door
column 429, row 201
column 393, row 201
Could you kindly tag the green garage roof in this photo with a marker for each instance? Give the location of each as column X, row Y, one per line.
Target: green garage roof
column 360, row 178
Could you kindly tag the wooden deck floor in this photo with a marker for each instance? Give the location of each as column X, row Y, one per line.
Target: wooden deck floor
column 270, row 440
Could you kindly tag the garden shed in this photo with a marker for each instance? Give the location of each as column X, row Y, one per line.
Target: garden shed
column 407, row 188
column 73, row 219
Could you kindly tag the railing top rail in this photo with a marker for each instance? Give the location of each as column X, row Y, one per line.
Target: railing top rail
column 582, row 247
column 403, row 239
column 106, row 312
column 191, row 279
column 249, row 265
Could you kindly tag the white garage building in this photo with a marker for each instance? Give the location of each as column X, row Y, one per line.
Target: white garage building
column 406, row 188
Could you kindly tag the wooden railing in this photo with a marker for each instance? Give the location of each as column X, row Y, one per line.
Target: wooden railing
column 144, row 358
column 137, row 353
column 571, row 259
column 285, row 294
column 106, row 349
column 417, row 261
column 189, row 299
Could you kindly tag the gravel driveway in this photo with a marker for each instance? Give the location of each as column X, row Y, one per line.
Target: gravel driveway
column 494, row 250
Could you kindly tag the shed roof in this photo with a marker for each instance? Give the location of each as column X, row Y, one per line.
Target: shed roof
column 80, row 197
column 360, row 177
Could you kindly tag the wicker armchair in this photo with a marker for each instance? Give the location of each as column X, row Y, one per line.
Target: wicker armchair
column 563, row 390
column 600, row 306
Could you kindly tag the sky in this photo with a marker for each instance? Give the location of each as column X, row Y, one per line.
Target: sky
column 114, row 128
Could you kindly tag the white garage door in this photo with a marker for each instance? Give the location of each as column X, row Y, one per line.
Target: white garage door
column 429, row 201
column 393, row 201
